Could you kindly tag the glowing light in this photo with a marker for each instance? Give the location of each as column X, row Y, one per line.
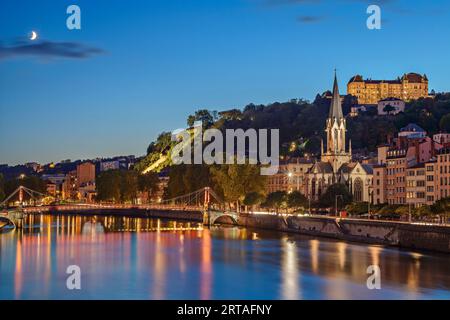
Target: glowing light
column 33, row 35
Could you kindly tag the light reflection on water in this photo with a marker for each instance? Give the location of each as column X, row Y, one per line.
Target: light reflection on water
column 138, row 258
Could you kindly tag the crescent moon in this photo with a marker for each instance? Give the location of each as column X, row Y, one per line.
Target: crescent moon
column 33, row 35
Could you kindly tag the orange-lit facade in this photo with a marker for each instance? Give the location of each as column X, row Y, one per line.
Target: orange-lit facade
column 410, row 86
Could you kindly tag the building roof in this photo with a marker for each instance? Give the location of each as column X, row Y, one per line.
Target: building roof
column 412, row 127
column 335, row 108
column 321, row 167
column 357, row 78
column 414, row 77
column 347, row 167
column 367, row 167
column 410, row 77
column 417, row 166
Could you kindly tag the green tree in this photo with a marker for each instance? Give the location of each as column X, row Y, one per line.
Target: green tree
column 253, row 199
column 128, row 185
column 296, row 200
column 32, row 182
column 276, row 200
column 235, row 181
column 184, row 179
column 424, row 211
column 162, row 143
column 328, row 199
column 2, row 188
column 442, row 207
column 357, row 208
column 389, row 109
column 205, row 116
column 444, row 123
column 148, row 183
column 108, row 186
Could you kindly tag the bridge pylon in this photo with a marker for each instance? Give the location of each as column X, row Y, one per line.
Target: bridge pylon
column 206, row 208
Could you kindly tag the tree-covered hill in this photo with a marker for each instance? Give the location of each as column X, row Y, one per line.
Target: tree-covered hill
column 302, row 123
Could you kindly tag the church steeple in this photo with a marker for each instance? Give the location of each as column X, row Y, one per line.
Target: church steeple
column 336, row 153
column 335, row 108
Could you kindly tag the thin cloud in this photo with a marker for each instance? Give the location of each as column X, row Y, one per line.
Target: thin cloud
column 48, row 49
column 309, row 19
column 300, row 2
column 284, row 2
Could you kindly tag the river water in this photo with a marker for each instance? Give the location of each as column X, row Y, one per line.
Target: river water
column 138, row 258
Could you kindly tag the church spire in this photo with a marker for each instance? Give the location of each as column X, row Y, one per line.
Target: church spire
column 335, row 108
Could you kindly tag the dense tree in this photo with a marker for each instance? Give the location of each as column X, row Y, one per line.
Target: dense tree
column 148, row 182
column 357, row 208
column 185, row 179
column 32, row 182
column 162, row 143
column 2, row 188
column 129, row 185
column 124, row 185
column 235, row 181
column 108, row 186
column 328, row 199
column 253, row 199
column 276, row 200
column 205, row 116
column 444, row 124
column 388, row 109
column 296, row 200
column 424, row 211
column 442, row 207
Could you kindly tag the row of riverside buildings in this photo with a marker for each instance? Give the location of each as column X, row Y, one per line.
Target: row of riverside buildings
column 411, row 168
column 80, row 184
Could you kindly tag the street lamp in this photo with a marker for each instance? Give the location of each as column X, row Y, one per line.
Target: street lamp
column 336, row 202
column 370, row 188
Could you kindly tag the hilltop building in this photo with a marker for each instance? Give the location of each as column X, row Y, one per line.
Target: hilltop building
column 410, row 86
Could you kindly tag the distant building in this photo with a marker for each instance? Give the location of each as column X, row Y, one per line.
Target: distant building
column 398, row 105
column 291, row 175
column 431, row 181
column 70, row 186
column 410, row 86
column 416, row 185
column 55, row 184
column 34, row 166
column 109, row 165
column 442, row 138
column 443, row 174
column 86, row 181
column 85, row 173
column 407, row 167
column 412, row 130
column 379, row 184
column 356, row 110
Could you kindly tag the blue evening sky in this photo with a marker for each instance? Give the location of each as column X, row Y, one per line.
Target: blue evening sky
column 163, row 59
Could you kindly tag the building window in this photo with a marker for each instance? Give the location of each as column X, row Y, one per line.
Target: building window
column 358, row 191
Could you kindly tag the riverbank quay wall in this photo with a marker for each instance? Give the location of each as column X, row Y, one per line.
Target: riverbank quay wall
column 406, row 235
column 189, row 215
column 400, row 234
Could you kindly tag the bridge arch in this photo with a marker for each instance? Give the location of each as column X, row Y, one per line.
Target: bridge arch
column 225, row 218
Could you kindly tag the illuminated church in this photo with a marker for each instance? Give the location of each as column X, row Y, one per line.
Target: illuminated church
column 336, row 164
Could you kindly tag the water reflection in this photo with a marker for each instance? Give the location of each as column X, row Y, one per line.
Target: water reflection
column 136, row 258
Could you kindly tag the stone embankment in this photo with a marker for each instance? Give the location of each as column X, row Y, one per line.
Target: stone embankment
column 412, row 236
